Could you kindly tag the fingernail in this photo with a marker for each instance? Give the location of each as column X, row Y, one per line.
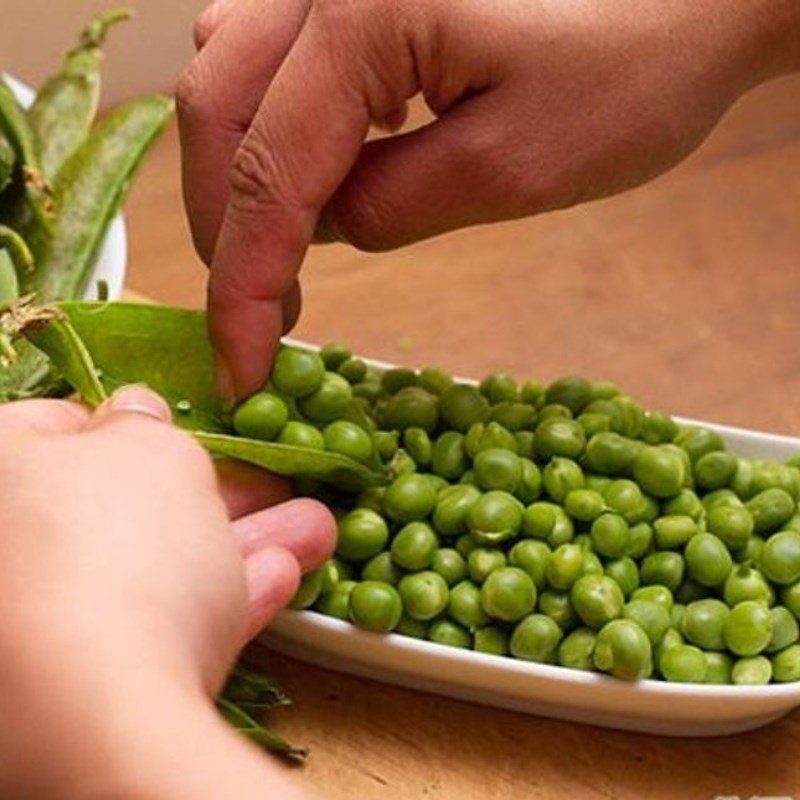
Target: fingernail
column 139, row 400
column 224, row 381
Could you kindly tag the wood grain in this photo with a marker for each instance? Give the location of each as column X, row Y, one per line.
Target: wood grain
column 686, row 292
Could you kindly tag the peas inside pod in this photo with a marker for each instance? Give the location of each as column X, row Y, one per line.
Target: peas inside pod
column 561, row 524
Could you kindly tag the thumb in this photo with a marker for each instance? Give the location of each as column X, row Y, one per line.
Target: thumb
column 128, row 401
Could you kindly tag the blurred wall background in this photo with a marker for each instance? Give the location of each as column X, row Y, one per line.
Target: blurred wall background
column 144, row 54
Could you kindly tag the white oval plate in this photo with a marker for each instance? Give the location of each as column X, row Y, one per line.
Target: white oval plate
column 649, row 706
column 112, row 257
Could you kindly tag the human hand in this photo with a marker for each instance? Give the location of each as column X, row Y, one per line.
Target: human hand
column 540, row 105
column 126, row 593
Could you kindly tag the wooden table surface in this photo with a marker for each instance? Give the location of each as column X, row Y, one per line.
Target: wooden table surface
column 686, row 292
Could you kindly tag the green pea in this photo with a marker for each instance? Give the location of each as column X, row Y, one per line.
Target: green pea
column 462, row 406
column 495, row 517
column 573, row 392
column 625, row 572
column 753, row 671
column 369, row 390
column 397, row 379
column 751, row 552
column 333, row 571
column 410, row 407
column 547, row 521
column 553, row 411
column 448, row 457
column 530, row 484
column 452, row 509
column 418, row 445
column 531, row 556
column 584, row 505
column 648, row 511
column 532, row 393
column 261, row 416
column 482, row 561
column 610, row 535
column 362, row 534
column 596, row 483
column 770, row 509
column 465, row 544
column 382, row 568
column 375, row 606
column 672, row 638
column 685, row 503
column 715, row 470
column 442, row 631
column 697, row 442
column 786, row 665
column 560, row 477
column 674, row 531
column 308, row 591
column 348, row 439
column 565, row 566
column 435, row 380
column 336, row 602
column 526, row 445
column 623, row 497
column 409, row 498
column 721, row 497
column 499, row 387
column 793, row 524
column 665, row 568
column 559, row 437
column 334, row 354
column 593, row 423
column 746, row 583
column 719, row 668
column 748, row 628
column 558, row 606
column 575, row 651
column 651, row 617
column 597, row 599
column 353, row 370
column 414, row 628
column 704, row 622
column 611, row 454
column 658, row 428
column 386, row 444
column 604, row 390
column 497, row 468
column 482, row 436
column 780, row 558
column 450, row 564
column 464, row 606
column 655, row 593
column 785, row 630
column 424, row 594
column 414, row 545
column 328, row 402
column 301, row 434
column 690, row 590
column 659, row 471
column 731, row 524
column 535, row 638
column 592, row 565
column 683, row 663
column 790, row 595
column 297, row 373
column 623, row 650
column 768, row 475
column 513, row 416
column 491, row 640
column 508, row 594
column 640, row 539
column 707, row 560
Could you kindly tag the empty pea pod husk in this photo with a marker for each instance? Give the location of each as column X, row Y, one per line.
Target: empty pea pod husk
column 66, row 104
column 88, row 192
column 9, row 283
column 8, row 160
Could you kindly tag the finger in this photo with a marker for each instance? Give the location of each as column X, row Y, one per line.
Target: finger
column 246, row 488
column 44, row 416
column 131, row 400
column 291, row 307
column 435, row 179
column 218, row 96
column 303, row 141
column 210, row 19
column 304, row 527
column 273, row 577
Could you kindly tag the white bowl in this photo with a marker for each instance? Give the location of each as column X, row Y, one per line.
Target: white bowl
column 112, row 257
column 649, row 706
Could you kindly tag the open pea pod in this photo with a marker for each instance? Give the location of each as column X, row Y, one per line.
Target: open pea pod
column 98, row 347
column 8, row 159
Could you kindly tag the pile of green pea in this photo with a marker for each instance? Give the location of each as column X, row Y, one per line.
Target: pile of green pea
column 560, row 524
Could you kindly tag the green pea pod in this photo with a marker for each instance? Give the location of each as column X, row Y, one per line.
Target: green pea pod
column 17, row 248
column 258, row 733
column 8, row 159
column 9, row 285
column 66, row 104
column 168, row 350
column 16, row 128
column 88, row 192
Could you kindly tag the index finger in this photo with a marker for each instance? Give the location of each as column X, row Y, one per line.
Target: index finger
column 44, row 416
column 306, row 136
